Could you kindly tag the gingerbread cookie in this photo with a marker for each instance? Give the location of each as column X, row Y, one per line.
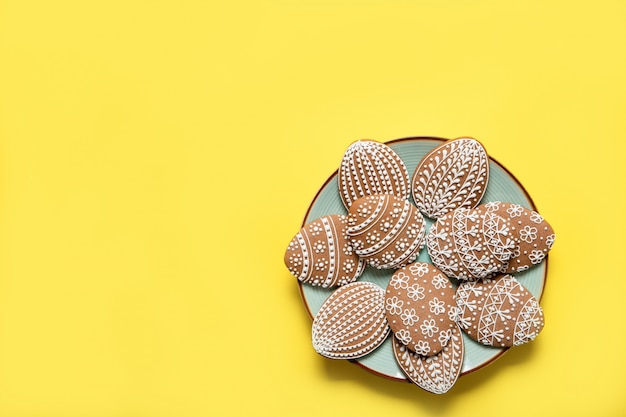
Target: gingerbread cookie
column 438, row 373
column 369, row 167
column 453, row 175
column 498, row 312
column 320, row 253
column 420, row 307
column 386, row 231
column 470, row 243
column 533, row 235
column 351, row 323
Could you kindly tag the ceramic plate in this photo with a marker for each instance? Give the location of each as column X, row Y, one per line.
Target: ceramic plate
column 502, row 186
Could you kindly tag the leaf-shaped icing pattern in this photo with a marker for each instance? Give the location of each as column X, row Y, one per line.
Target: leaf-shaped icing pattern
column 438, row 373
column 453, row 175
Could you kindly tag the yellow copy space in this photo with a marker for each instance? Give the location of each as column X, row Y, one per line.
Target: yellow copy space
column 156, row 157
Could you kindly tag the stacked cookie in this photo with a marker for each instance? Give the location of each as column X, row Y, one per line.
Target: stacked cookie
column 426, row 305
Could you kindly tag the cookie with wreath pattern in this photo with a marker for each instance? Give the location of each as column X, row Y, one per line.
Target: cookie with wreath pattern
column 320, row 254
column 369, row 167
column 420, row 307
column 386, row 231
column 533, row 235
column 470, row 244
column 454, row 174
column 498, row 311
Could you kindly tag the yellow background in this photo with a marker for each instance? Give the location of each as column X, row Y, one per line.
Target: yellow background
column 156, row 157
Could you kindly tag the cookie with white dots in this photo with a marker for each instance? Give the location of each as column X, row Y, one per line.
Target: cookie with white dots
column 454, row 174
column 498, row 311
column 320, row 254
column 533, row 235
column 369, row 167
column 470, row 244
column 386, row 231
column 351, row 323
column 420, row 307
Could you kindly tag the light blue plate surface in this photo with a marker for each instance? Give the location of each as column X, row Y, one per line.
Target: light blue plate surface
column 502, row 186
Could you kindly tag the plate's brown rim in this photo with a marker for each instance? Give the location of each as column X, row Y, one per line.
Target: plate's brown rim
column 407, row 139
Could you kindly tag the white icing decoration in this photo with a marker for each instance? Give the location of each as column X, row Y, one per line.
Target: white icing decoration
column 453, row 175
column 351, row 323
column 368, row 168
column 438, row 373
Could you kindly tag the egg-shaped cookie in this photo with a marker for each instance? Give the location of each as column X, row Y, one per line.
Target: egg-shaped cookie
column 533, row 235
column 369, row 167
column 470, row 244
column 351, row 322
column 320, row 254
column 438, row 373
column 386, row 231
column 498, row 311
column 454, row 174
column 420, row 308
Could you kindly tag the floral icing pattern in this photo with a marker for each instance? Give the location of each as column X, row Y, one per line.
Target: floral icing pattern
column 532, row 234
column 422, row 310
column 420, row 306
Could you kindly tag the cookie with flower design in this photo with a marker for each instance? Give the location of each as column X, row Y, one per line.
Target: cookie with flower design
column 533, row 235
column 369, row 167
column 420, row 308
column 386, row 231
column 498, row 311
column 321, row 255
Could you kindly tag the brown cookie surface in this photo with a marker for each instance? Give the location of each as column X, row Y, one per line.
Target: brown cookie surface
column 498, row 312
column 470, row 244
column 369, row 167
column 321, row 255
column 453, row 175
column 533, row 235
column 438, row 373
column 420, row 307
column 386, row 231
column 351, row 322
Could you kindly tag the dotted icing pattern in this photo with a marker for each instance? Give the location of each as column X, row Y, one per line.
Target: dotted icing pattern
column 351, row 323
column 370, row 167
column 386, row 231
column 321, row 255
column 421, row 308
column 452, row 175
column 438, row 373
column 498, row 312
